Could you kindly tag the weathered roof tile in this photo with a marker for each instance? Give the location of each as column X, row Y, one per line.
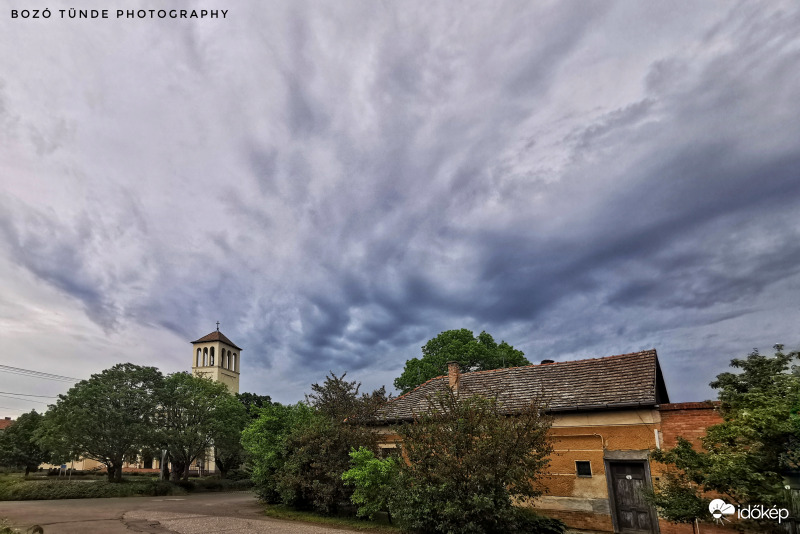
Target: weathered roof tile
column 611, row 382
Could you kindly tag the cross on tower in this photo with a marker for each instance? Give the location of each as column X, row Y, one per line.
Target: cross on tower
column 217, row 326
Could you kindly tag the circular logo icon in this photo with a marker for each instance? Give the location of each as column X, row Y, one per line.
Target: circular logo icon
column 719, row 508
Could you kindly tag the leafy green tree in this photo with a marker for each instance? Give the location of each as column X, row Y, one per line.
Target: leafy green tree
column 19, row 447
column 678, row 498
column 339, row 400
column 227, row 439
column 758, row 443
column 105, row 418
column 299, row 453
column 253, row 403
column 468, row 462
column 374, row 481
column 472, row 354
column 193, row 412
column 264, row 441
column 311, row 476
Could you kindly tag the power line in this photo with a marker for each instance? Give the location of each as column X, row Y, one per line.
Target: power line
column 36, row 374
column 26, row 400
column 29, row 395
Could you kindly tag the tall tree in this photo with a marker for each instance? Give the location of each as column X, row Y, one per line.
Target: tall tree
column 253, row 403
column 339, row 400
column 19, row 447
column 227, row 439
column 107, row 417
column 747, row 455
column 193, row 410
column 471, row 353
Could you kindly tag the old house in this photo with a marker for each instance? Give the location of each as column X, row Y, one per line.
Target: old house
column 609, row 413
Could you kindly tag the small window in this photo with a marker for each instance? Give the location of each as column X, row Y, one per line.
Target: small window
column 583, row 469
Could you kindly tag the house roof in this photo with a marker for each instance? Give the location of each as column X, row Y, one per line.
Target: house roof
column 622, row 381
column 5, row 423
column 216, row 335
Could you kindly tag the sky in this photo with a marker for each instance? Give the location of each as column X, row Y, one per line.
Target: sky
column 338, row 182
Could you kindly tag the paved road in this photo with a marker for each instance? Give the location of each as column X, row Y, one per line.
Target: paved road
column 228, row 513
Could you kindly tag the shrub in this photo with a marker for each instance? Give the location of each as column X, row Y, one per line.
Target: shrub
column 468, row 461
column 265, row 441
column 187, row 485
column 6, row 528
column 240, row 485
column 373, row 480
column 238, row 474
column 299, row 452
column 209, row 484
column 45, row 490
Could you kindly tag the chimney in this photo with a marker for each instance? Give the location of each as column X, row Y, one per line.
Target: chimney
column 453, row 374
column 8, row 419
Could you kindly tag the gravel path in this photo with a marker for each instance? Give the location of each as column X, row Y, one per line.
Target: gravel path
column 205, row 513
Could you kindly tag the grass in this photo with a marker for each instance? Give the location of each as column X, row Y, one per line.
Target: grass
column 279, row 511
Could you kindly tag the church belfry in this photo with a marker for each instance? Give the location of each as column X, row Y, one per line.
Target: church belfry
column 217, row 357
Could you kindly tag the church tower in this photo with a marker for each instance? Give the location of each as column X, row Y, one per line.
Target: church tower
column 217, row 357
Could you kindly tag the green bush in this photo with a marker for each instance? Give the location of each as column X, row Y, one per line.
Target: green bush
column 238, row 474
column 299, row 452
column 187, row 485
column 239, row 485
column 209, row 484
column 374, row 481
column 63, row 489
column 468, row 462
column 6, row 528
column 214, row 483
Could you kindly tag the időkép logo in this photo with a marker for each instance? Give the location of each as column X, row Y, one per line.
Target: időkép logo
column 720, row 509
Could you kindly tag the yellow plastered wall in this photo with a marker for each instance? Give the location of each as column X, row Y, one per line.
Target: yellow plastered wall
column 222, row 370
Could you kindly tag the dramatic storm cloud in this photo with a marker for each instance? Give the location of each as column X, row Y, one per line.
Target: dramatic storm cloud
column 339, row 182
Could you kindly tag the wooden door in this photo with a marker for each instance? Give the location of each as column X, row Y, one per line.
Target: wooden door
column 628, row 482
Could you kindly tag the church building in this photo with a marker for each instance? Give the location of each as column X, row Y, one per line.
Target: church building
column 213, row 356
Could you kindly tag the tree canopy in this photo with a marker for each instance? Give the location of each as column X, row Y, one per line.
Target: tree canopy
column 472, row 354
column 194, row 412
column 106, row 418
column 747, row 456
column 253, row 403
column 19, row 448
column 300, row 452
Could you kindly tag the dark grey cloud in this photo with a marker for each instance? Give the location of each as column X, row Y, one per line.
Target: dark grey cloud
column 339, row 184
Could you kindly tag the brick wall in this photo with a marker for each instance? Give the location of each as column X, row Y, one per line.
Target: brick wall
column 688, row 420
column 583, row 520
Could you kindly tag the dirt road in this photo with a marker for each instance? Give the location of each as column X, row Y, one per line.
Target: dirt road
column 231, row 513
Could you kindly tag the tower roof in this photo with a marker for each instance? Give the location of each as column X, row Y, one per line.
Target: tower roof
column 216, row 336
